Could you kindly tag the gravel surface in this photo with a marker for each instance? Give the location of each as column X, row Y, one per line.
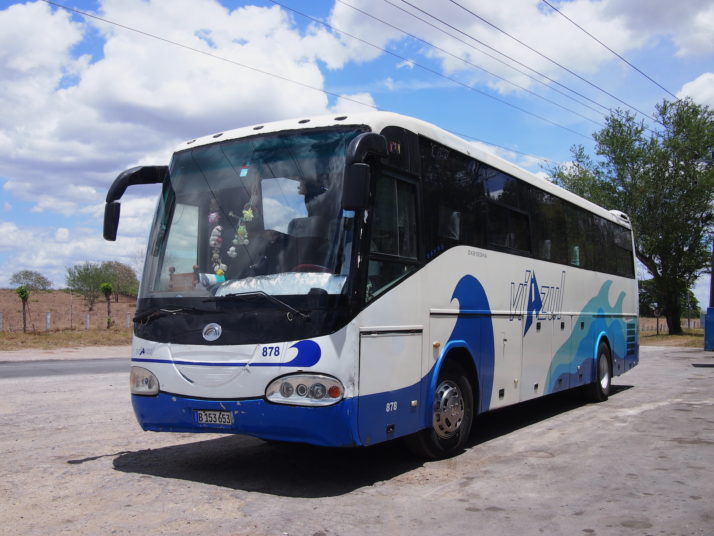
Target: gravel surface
column 74, row 461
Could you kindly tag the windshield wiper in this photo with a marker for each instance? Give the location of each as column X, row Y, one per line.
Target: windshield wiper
column 156, row 312
column 260, row 293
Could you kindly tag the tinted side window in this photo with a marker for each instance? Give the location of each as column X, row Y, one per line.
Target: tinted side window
column 624, row 264
column 508, row 222
column 394, row 226
column 453, row 198
column 548, row 219
column 393, row 240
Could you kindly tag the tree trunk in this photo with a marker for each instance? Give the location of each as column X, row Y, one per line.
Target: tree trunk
column 673, row 310
column 24, row 316
column 109, row 311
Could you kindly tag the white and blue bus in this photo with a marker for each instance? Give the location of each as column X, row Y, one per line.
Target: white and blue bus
column 344, row 281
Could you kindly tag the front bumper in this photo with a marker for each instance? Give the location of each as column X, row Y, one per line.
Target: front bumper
column 330, row 426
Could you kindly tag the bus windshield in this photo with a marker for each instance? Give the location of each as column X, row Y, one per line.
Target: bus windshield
column 260, row 214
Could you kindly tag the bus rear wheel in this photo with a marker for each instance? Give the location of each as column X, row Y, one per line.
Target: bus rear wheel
column 599, row 389
column 452, row 415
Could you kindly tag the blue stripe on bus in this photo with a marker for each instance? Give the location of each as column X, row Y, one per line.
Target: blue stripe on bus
column 331, row 426
column 308, row 355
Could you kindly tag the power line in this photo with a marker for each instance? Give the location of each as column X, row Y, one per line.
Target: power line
column 434, row 71
column 552, row 80
column 267, row 73
column 608, row 48
column 465, row 61
column 553, row 61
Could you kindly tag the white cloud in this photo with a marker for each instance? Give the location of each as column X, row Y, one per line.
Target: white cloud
column 701, row 90
column 688, row 25
column 359, row 102
column 405, row 63
column 66, row 144
column 69, row 125
column 62, row 234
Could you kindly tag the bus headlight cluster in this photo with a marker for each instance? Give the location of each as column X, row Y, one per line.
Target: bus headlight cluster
column 143, row 382
column 305, row 390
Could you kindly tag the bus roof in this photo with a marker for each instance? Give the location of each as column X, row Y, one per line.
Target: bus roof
column 377, row 121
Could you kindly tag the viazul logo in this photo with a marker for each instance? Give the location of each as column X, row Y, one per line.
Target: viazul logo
column 538, row 302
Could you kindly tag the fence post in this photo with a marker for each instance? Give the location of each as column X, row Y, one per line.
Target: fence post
column 128, row 319
column 48, row 321
column 1, row 323
column 86, row 322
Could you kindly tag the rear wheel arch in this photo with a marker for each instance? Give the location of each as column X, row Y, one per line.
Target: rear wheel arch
column 601, row 385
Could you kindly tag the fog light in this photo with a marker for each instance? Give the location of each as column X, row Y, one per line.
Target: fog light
column 301, row 389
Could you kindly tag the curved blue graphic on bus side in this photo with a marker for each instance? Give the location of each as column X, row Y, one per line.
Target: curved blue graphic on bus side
column 572, row 364
column 308, row 354
column 475, row 329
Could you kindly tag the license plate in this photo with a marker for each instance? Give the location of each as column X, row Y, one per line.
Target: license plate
column 207, row 416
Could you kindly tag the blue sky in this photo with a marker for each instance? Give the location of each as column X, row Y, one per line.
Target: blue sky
column 81, row 99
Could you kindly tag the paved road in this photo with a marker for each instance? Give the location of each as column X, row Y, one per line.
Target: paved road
column 75, row 462
column 56, row 367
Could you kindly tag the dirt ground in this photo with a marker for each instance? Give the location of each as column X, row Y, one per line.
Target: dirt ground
column 68, row 310
column 75, row 462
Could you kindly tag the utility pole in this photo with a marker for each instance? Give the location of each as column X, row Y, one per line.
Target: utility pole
column 709, row 322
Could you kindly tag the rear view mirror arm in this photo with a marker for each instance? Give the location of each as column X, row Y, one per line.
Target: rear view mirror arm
column 130, row 177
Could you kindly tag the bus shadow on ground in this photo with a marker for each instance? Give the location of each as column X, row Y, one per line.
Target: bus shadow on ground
column 282, row 469
column 295, row 470
column 502, row 422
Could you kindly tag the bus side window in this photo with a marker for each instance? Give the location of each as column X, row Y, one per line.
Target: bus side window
column 453, row 198
column 393, row 243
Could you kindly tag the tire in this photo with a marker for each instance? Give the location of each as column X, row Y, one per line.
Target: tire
column 599, row 389
column 452, row 415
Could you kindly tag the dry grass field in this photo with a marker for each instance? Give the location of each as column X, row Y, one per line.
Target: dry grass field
column 69, row 329
column 68, row 321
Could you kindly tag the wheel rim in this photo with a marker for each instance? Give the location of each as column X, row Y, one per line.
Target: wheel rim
column 604, row 373
column 449, row 409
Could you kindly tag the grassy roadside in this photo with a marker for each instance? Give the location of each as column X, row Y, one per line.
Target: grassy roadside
column 49, row 340
column 692, row 338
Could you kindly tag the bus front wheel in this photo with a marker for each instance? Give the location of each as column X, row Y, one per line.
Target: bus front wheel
column 599, row 389
column 452, row 415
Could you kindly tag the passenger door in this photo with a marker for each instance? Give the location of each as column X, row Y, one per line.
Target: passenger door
column 391, row 342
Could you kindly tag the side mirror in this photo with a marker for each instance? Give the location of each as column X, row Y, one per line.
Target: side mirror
column 130, row 177
column 355, row 191
column 111, row 220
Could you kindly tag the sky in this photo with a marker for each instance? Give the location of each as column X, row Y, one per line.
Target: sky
column 110, row 84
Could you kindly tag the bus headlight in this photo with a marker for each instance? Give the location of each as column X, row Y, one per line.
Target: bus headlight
column 305, row 390
column 143, row 382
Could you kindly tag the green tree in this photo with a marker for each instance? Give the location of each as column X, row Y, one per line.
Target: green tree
column 24, row 295
column 108, row 290
column 649, row 297
column 122, row 278
column 86, row 279
column 664, row 181
column 31, row 280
